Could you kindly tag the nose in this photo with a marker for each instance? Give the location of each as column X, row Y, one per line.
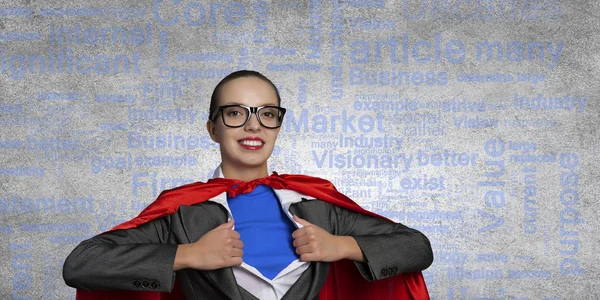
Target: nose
column 252, row 124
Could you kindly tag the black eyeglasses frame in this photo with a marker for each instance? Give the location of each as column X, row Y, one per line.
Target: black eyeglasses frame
column 253, row 110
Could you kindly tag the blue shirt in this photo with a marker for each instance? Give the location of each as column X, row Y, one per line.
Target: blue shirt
column 265, row 230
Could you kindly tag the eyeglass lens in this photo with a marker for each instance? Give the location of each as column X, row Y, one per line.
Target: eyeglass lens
column 237, row 116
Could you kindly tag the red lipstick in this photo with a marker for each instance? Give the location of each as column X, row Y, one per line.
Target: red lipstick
column 251, row 143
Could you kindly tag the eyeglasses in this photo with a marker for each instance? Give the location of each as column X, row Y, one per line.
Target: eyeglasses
column 237, row 115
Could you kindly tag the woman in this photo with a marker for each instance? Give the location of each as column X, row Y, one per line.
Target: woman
column 287, row 228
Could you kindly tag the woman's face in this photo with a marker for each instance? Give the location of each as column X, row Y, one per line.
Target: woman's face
column 236, row 148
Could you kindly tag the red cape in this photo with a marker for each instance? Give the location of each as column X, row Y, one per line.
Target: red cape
column 343, row 282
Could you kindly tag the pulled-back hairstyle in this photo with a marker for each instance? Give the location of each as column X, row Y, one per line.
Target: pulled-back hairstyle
column 214, row 99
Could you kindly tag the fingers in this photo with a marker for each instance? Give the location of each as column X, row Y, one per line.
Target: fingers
column 228, row 225
column 230, row 233
column 231, row 254
column 307, row 244
column 306, row 248
column 307, row 253
column 235, row 261
column 298, row 233
column 236, row 252
column 303, row 240
column 301, row 221
column 234, row 256
column 233, row 234
column 238, row 244
column 304, row 231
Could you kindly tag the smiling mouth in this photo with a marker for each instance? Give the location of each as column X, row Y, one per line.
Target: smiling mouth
column 251, row 143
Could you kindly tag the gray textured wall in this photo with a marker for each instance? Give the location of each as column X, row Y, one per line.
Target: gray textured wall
column 474, row 121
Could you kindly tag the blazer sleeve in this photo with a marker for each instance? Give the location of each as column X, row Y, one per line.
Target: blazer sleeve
column 132, row 259
column 389, row 248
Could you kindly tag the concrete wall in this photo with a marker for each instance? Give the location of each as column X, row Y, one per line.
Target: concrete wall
column 473, row 121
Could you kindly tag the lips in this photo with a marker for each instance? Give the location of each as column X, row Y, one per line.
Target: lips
column 251, row 143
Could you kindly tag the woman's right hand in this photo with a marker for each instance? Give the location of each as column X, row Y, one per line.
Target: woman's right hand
column 218, row 248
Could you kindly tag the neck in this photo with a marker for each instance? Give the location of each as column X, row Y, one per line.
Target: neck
column 244, row 174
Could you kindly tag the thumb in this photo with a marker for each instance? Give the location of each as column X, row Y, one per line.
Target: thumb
column 301, row 221
column 227, row 225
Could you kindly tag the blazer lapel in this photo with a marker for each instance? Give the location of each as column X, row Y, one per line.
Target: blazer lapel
column 198, row 220
column 310, row 282
column 312, row 211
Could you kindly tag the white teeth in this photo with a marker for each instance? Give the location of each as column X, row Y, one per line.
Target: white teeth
column 251, row 143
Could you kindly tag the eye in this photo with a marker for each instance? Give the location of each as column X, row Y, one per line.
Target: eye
column 235, row 112
column 268, row 113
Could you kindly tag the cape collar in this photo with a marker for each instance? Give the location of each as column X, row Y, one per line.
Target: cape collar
column 286, row 197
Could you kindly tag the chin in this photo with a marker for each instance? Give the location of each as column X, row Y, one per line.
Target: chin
column 252, row 161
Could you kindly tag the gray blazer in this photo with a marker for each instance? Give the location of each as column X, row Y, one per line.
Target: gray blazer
column 142, row 258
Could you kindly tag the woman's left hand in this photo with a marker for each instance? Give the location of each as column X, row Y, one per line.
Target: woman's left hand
column 313, row 243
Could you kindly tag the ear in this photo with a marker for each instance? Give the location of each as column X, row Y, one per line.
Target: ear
column 212, row 130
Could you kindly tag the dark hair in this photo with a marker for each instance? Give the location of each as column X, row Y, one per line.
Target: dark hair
column 214, row 99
